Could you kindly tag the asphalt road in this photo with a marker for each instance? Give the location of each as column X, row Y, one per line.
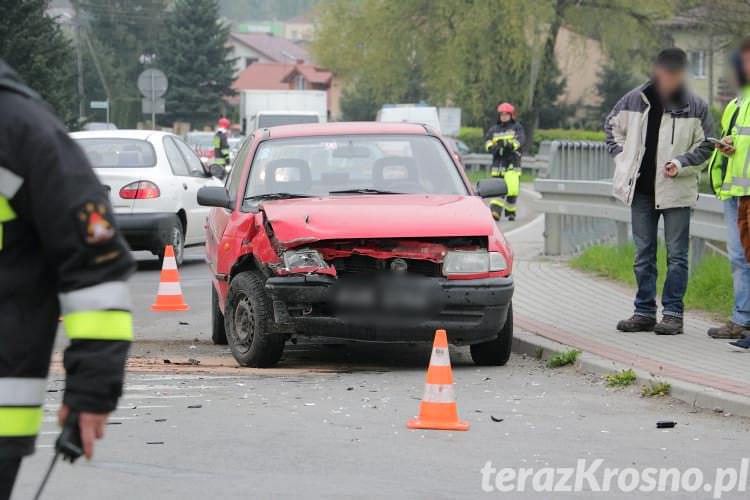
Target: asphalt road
column 338, row 431
column 330, row 421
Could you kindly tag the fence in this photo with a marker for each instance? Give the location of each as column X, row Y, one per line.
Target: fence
column 576, row 198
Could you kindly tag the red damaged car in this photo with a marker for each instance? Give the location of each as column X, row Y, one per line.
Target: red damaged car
column 357, row 231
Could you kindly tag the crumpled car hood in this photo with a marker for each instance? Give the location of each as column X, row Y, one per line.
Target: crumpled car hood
column 304, row 220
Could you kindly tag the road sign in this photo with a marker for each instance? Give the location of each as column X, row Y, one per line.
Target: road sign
column 99, row 104
column 154, row 107
column 152, row 83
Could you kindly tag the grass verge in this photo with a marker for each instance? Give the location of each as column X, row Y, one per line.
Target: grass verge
column 709, row 288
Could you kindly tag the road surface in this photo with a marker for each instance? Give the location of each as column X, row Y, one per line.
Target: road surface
column 330, row 421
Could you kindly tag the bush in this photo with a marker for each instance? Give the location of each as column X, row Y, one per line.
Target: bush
column 562, row 134
column 473, row 137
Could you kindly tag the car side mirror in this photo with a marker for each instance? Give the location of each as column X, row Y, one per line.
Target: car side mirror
column 214, row 196
column 217, row 171
column 492, row 187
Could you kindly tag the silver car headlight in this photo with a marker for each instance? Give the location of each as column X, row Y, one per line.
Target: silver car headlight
column 472, row 262
column 299, row 259
column 497, row 262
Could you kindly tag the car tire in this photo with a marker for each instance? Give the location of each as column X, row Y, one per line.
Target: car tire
column 247, row 314
column 176, row 238
column 496, row 352
column 218, row 330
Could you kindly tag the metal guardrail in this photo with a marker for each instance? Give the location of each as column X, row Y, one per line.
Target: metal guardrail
column 580, row 209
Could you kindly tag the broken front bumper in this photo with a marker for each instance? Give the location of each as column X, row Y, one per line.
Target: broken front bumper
column 471, row 311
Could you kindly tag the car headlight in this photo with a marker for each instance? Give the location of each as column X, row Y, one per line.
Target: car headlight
column 497, row 262
column 299, row 259
column 469, row 262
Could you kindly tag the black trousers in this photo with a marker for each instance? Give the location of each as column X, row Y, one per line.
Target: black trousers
column 8, row 471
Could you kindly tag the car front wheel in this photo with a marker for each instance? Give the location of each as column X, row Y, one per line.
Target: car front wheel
column 496, row 352
column 246, row 316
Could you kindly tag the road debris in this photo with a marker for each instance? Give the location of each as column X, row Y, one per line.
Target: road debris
column 665, row 424
column 496, row 419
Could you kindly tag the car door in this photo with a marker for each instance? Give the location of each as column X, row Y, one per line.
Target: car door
column 197, row 179
column 183, row 184
column 219, row 217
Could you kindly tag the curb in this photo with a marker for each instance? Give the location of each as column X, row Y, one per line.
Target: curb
column 699, row 396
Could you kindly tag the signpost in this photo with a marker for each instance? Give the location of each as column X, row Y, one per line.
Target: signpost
column 101, row 105
column 153, row 85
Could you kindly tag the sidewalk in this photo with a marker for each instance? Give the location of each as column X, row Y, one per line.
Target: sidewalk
column 556, row 303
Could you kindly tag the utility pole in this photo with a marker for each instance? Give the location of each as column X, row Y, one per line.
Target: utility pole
column 79, row 65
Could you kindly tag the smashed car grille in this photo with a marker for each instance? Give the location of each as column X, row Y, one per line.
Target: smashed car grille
column 362, row 264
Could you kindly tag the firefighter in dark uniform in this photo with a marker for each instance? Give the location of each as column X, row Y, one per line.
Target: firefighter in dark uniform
column 60, row 256
column 221, row 143
column 504, row 141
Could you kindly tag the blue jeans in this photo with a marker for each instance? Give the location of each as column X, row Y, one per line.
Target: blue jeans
column 740, row 267
column 645, row 222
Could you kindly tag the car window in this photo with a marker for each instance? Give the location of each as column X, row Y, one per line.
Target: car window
column 233, row 180
column 193, row 162
column 112, row 152
column 318, row 166
column 176, row 161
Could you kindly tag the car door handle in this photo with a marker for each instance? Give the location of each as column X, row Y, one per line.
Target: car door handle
column 184, row 186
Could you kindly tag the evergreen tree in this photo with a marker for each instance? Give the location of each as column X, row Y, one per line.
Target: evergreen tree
column 195, row 56
column 35, row 46
column 615, row 80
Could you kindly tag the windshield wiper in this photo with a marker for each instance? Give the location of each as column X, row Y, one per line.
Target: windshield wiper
column 363, row 191
column 276, row 196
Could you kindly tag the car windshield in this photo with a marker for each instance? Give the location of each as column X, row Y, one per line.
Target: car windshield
column 355, row 164
column 265, row 121
column 113, row 152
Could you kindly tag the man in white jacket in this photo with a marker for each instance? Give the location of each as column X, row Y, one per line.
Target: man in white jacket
column 657, row 135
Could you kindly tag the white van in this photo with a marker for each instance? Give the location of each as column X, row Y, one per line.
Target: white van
column 427, row 115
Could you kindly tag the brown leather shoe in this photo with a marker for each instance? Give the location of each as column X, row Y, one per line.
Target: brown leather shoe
column 730, row 330
column 669, row 325
column 637, row 323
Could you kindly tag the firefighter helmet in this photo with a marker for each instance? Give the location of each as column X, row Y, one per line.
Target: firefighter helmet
column 506, row 107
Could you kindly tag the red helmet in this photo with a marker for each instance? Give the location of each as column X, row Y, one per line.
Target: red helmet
column 224, row 123
column 506, row 107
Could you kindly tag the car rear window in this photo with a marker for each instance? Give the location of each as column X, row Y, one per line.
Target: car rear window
column 111, row 152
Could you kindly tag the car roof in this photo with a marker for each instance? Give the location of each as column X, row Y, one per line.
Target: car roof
column 144, row 135
column 344, row 128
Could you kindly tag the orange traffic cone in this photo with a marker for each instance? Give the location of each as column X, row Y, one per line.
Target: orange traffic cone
column 438, row 408
column 169, row 296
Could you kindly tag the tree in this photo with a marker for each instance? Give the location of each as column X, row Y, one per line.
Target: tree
column 126, row 35
column 35, row 46
column 615, row 80
column 195, row 56
column 474, row 53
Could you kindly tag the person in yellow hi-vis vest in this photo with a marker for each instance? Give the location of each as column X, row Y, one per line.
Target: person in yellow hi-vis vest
column 504, row 141
column 60, row 254
column 729, row 169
